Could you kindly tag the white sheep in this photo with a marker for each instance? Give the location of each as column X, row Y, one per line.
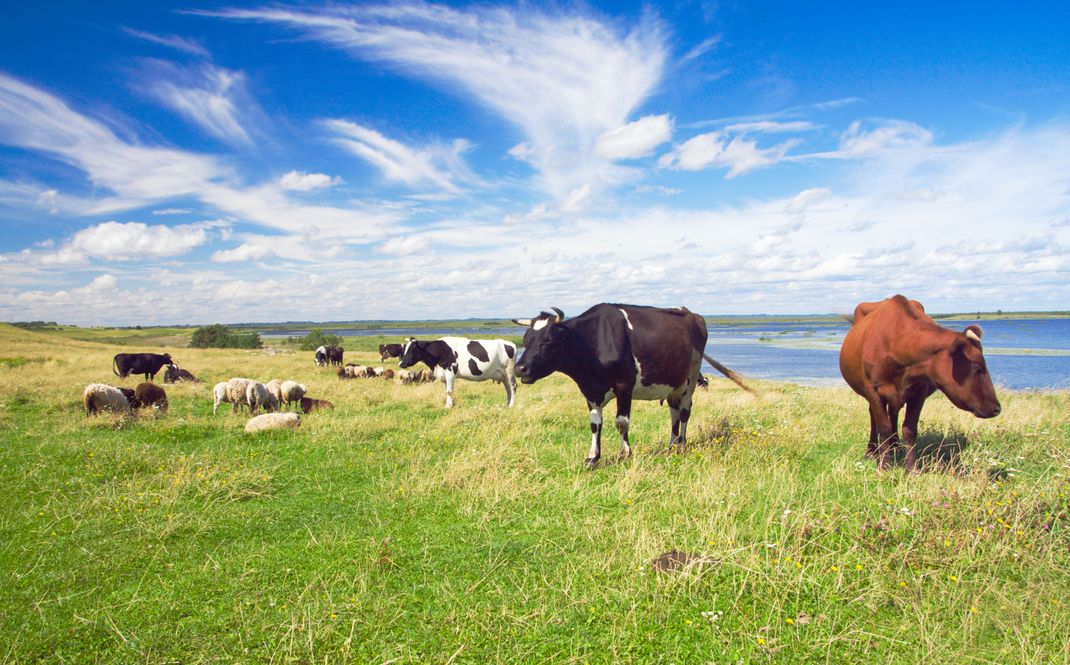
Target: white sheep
column 257, row 396
column 102, row 397
column 268, row 421
column 405, row 377
column 292, row 391
column 274, row 387
column 232, row 391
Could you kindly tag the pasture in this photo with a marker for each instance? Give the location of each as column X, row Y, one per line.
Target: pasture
column 392, row 530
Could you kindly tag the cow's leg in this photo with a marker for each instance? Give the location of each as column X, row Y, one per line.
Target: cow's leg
column 596, row 435
column 624, row 414
column 510, row 385
column 878, row 411
column 450, row 376
column 674, row 413
column 910, row 429
column 871, row 448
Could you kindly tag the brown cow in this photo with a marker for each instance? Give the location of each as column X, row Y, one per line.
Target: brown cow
column 894, row 355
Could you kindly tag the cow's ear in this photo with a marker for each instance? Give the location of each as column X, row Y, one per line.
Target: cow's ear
column 973, row 333
column 522, row 322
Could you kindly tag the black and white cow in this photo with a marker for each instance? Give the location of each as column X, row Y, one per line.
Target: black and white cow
column 321, row 357
column 471, row 359
column 625, row 352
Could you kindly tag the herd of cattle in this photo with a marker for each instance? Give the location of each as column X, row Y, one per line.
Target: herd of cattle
column 894, row 355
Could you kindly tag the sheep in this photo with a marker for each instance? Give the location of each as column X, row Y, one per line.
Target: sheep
column 101, row 397
column 274, row 387
column 388, row 374
column 425, row 376
column 343, row 372
column 232, row 392
column 174, row 374
column 405, row 377
column 355, row 371
column 292, row 392
column 268, row 421
column 149, row 394
column 309, row 404
column 257, row 396
column 376, row 371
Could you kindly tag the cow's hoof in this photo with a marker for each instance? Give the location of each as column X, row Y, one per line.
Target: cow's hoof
column 590, row 463
column 624, row 454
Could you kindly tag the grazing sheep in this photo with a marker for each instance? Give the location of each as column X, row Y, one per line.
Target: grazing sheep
column 425, row 376
column 128, row 393
column 257, row 397
column 354, row 371
column 268, row 421
column 405, row 377
column 274, row 387
column 292, row 392
column 388, row 374
column 101, row 397
column 376, row 371
column 343, row 372
column 309, row 404
column 232, row 392
column 149, row 394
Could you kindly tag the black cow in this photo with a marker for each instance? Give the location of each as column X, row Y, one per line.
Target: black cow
column 334, row 355
column 390, row 351
column 125, row 364
column 622, row 351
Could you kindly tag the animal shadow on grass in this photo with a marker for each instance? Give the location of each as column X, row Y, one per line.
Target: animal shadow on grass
column 937, row 451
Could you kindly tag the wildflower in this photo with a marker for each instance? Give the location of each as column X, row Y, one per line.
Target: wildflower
column 834, row 568
column 761, row 641
column 902, row 584
column 858, row 566
column 789, row 621
column 973, row 610
column 953, row 578
column 947, row 542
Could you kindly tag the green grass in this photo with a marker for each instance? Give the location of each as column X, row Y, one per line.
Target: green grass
column 391, row 529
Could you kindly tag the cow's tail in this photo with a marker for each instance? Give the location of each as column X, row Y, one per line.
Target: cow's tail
column 734, row 377
column 115, row 368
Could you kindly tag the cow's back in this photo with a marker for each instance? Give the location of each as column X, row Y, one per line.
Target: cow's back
column 878, row 329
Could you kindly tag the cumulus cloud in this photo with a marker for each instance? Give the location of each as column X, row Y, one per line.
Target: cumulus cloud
column 738, row 155
column 241, row 253
column 304, row 182
column 635, row 139
column 564, row 80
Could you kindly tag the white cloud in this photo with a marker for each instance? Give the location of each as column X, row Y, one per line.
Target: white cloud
column 172, row 211
column 738, row 155
column 635, row 139
column 184, row 44
column 103, row 283
column 564, row 80
column 890, row 134
column 215, row 99
column 405, row 245
column 806, row 198
column 399, row 162
column 244, row 252
column 117, row 241
column 771, row 126
column 304, row 182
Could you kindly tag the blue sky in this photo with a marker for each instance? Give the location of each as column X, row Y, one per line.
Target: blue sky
column 201, row 162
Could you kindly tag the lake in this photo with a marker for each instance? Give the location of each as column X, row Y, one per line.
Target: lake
column 1021, row 353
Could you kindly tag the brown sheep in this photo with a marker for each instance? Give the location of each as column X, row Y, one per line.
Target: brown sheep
column 149, row 394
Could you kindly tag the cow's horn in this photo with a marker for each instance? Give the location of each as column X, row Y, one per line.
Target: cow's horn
column 560, row 315
column 522, row 322
column 974, row 333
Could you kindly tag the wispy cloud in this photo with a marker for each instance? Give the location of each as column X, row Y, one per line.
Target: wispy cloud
column 737, row 154
column 297, row 181
column 184, row 44
column 563, row 80
column 213, row 98
column 435, row 165
column 635, row 139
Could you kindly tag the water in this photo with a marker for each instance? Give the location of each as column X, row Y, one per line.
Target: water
column 1021, row 353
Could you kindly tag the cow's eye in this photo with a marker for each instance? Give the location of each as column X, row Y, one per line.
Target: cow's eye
column 979, row 368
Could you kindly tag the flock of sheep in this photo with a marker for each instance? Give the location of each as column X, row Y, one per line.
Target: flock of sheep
column 402, row 376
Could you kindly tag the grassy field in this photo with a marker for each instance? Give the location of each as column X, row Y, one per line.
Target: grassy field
column 391, row 530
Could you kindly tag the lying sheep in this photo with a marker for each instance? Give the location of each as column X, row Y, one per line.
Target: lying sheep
column 174, row 374
column 309, row 404
column 258, row 397
column 292, row 392
column 102, row 397
column 269, row 421
column 149, row 394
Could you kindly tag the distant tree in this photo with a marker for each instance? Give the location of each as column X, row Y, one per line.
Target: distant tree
column 315, row 339
column 218, row 336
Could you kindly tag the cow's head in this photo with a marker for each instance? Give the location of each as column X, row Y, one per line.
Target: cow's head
column 961, row 373
column 543, row 346
column 167, row 359
column 412, row 353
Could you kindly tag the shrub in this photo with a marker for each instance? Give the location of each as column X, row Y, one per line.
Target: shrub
column 218, row 336
column 315, row 339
